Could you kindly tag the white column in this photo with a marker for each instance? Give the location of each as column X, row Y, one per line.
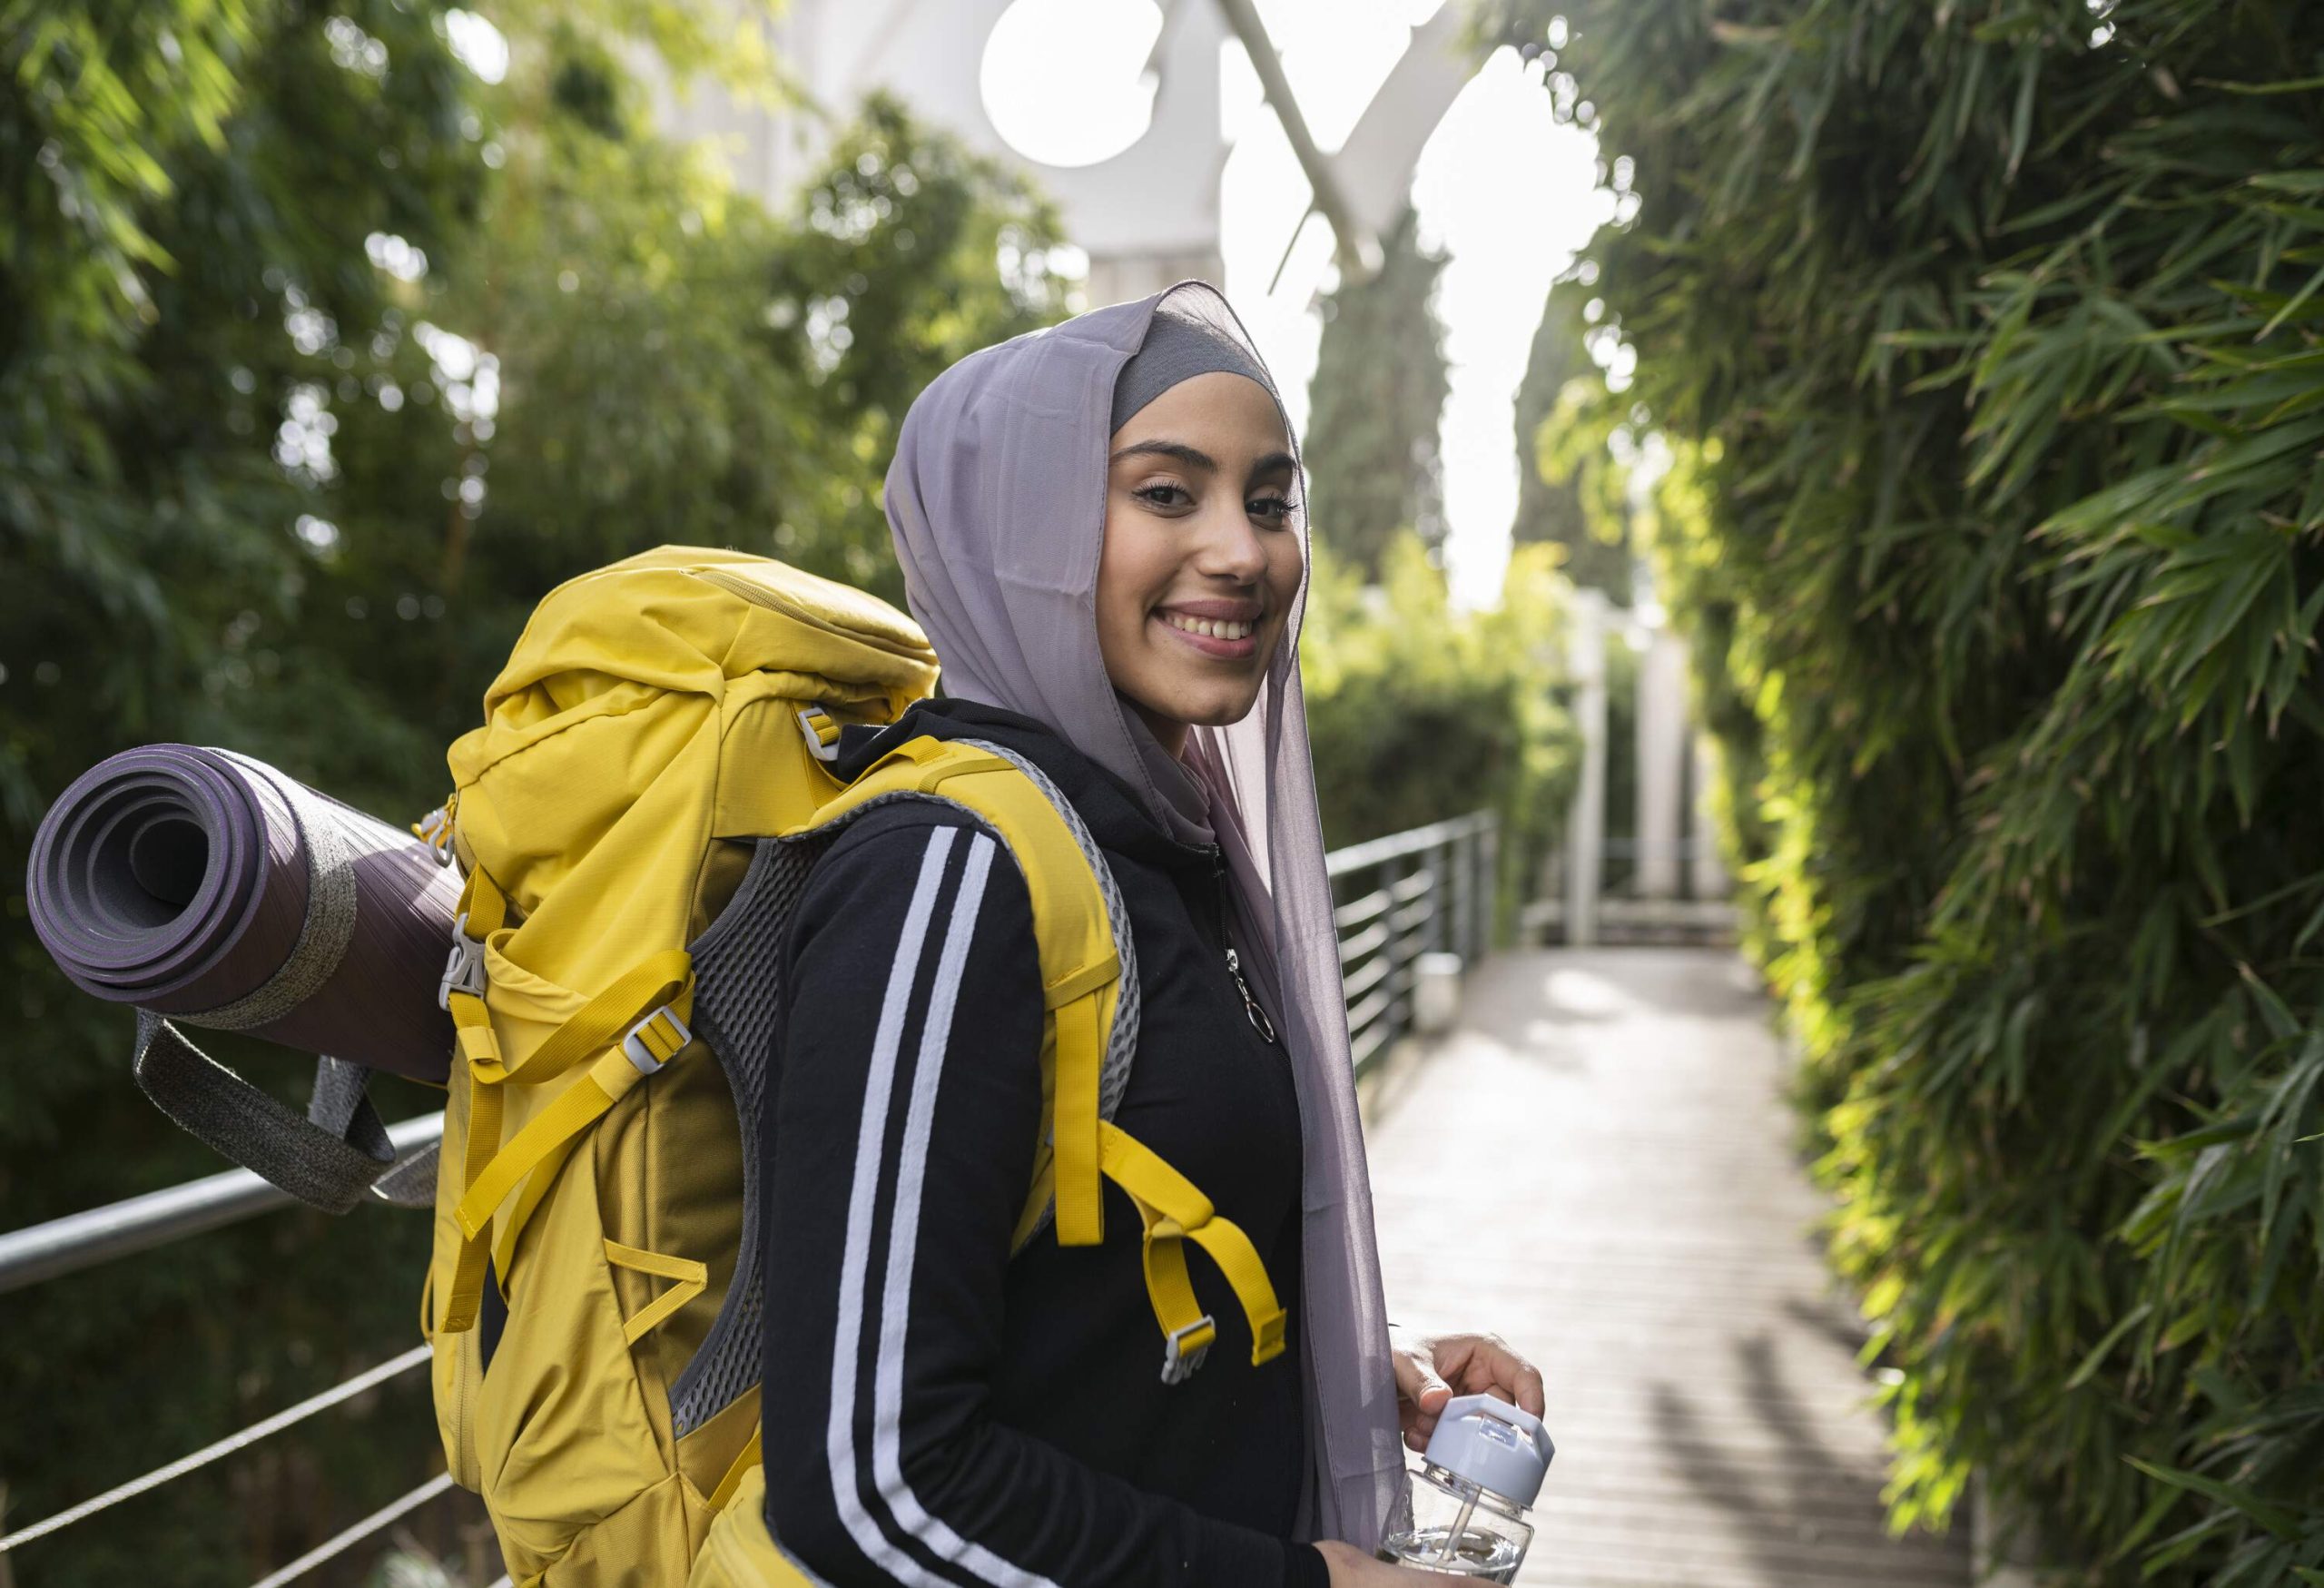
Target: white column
column 1661, row 761
column 1706, row 874
column 1586, row 828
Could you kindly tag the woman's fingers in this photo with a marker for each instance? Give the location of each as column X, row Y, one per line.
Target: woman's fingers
column 1431, row 1369
column 1421, row 1391
column 1418, row 1382
column 1485, row 1365
column 1351, row 1568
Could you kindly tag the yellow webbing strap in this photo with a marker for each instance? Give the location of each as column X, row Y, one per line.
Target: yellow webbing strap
column 652, row 980
column 520, row 1213
column 724, row 1494
column 481, row 911
column 662, row 983
column 560, row 1054
column 690, row 1278
column 1080, row 1052
column 1176, row 1212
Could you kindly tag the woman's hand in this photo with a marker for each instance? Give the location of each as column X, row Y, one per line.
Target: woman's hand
column 1351, row 1568
column 1431, row 1369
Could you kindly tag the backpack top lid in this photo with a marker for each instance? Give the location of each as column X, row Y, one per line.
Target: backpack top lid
column 603, row 767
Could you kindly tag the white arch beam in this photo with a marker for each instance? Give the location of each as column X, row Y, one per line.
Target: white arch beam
column 1146, row 216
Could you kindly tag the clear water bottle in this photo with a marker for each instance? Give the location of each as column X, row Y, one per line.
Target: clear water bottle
column 1484, row 1468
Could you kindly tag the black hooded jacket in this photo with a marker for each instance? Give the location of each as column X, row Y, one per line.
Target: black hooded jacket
column 936, row 1413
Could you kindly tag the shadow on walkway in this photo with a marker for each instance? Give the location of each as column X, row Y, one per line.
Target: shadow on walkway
column 1596, row 1165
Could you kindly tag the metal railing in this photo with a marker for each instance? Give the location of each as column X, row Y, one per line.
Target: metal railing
column 1427, row 890
column 82, row 1240
column 1430, row 890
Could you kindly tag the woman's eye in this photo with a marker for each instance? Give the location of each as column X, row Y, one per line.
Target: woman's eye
column 1165, row 494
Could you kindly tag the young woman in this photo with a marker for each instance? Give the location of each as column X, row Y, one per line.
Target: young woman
column 1101, row 531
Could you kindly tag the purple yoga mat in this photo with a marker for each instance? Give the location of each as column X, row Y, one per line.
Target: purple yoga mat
column 207, row 887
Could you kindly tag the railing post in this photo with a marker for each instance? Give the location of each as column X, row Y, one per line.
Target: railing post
column 1464, row 887
column 1488, row 876
column 1432, row 862
column 1398, row 980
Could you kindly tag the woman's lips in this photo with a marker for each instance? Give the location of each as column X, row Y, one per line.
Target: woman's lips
column 1207, row 645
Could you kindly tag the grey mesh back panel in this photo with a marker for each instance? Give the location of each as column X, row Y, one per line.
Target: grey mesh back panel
column 737, row 1011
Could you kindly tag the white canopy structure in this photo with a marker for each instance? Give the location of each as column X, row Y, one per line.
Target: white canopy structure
column 1147, row 215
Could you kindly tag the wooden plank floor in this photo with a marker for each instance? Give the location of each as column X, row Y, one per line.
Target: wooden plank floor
column 1596, row 1164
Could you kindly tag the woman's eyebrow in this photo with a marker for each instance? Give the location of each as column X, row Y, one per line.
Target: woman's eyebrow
column 1195, row 458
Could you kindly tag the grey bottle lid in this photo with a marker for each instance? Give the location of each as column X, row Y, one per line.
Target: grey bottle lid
column 1494, row 1445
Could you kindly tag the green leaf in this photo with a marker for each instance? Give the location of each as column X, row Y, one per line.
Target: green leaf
column 2106, row 1343
column 2240, row 1500
column 2292, row 306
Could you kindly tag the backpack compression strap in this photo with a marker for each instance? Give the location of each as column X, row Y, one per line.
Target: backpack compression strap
column 1080, row 972
column 629, row 1031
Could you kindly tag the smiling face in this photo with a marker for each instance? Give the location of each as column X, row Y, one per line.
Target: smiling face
column 1201, row 559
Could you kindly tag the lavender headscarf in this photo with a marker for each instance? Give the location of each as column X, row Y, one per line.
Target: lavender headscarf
column 997, row 503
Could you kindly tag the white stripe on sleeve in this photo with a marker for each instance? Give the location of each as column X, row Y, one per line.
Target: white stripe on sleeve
column 862, row 1204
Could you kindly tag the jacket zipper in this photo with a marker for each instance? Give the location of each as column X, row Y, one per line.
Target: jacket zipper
column 1258, row 1017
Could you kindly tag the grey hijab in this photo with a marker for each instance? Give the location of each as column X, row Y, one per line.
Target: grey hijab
column 997, row 503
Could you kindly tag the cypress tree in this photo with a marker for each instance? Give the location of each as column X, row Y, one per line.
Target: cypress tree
column 1374, row 406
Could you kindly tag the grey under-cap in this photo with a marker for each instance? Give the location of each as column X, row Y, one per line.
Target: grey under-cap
column 1176, row 348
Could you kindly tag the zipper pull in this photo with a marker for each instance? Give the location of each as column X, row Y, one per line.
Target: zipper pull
column 1259, row 1021
column 1264, row 1026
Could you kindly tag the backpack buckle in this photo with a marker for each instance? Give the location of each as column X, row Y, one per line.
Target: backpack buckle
column 435, row 830
column 1178, row 1364
column 463, row 967
column 655, row 1039
column 813, row 720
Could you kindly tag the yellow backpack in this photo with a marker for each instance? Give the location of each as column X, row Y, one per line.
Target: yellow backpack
column 635, row 820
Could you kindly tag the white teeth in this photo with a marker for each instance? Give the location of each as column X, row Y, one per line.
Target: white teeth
column 1205, row 626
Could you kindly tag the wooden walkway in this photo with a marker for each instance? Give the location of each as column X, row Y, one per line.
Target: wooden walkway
column 1597, row 1165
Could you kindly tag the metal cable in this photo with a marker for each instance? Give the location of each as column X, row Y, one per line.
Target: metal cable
column 341, row 1542
column 226, row 1446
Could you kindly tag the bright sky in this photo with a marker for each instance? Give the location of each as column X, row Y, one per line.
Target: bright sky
column 1509, row 194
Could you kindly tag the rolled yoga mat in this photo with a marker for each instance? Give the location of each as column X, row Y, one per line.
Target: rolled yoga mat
column 203, row 886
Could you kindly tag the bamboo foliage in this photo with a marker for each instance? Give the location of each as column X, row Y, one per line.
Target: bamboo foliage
column 1990, row 335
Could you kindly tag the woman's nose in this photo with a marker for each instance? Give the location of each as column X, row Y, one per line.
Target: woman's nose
column 1230, row 547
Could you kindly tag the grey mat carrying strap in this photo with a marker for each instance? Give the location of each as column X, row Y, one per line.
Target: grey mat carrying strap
column 329, row 1159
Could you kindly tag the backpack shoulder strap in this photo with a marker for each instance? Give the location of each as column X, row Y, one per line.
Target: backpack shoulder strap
column 1081, row 959
column 1090, row 990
